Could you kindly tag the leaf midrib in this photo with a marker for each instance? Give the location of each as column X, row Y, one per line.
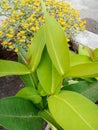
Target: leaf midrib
column 59, row 65
column 37, row 55
column 18, row 116
column 77, row 113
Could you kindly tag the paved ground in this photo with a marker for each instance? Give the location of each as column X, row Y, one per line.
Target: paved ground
column 89, row 11
column 88, row 8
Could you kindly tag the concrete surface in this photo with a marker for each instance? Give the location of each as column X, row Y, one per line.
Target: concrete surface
column 87, row 8
column 87, row 39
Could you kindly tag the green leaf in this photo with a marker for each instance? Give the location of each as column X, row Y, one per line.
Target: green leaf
column 48, row 118
column 36, row 49
column 29, row 93
column 19, row 114
column 27, row 80
column 41, row 91
column 48, row 76
column 57, row 45
column 83, row 50
column 84, row 70
column 77, row 59
column 12, row 68
column 96, row 54
column 73, row 111
column 89, row 90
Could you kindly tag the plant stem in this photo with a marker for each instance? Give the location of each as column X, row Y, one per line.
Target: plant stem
column 48, row 118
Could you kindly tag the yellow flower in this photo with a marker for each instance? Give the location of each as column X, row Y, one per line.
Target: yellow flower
column 6, row 6
column 33, row 28
column 25, row 25
column 9, row 35
column 28, row 45
column 14, row 12
column 11, row 46
column 76, row 25
column 13, row 20
column 4, row 43
column 1, row 33
column 21, row 40
column 24, row 37
column 22, row 32
column 16, row 50
column 68, row 39
column 10, row 43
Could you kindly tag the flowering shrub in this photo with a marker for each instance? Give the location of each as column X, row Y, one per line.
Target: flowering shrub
column 25, row 16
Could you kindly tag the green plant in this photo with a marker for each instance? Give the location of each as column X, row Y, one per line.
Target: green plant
column 24, row 17
column 47, row 63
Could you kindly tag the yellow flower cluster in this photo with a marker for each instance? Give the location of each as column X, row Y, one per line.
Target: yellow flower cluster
column 24, row 17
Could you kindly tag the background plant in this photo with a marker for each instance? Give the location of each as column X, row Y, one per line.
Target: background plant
column 24, row 17
column 46, row 64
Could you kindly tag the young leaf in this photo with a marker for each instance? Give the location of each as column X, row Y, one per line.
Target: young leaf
column 77, row 59
column 84, row 70
column 57, row 45
column 19, row 114
column 36, row 49
column 73, row 111
column 83, row 50
column 12, row 68
column 41, row 91
column 29, row 93
column 48, row 76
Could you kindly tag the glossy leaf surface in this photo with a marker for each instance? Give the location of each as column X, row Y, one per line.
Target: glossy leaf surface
column 73, row 111
column 77, row 59
column 12, row 68
column 19, row 114
column 57, row 45
column 48, row 76
column 29, row 93
column 84, row 70
column 36, row 49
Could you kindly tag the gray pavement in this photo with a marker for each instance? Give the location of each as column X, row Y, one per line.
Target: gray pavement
column 87, row 8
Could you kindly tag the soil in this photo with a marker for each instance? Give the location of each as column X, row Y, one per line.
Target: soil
column 10, row 85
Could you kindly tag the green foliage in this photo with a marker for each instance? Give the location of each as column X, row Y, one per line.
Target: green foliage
column 46, row 115
column 84, row 70
column 36, row 49
column 55, row 39
column 73, row 111
column 43, row 70
column 29, row 93
column 86, row 88
column 12, row 68
column 76, row 59
column 19, row 114
column 51, row 80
